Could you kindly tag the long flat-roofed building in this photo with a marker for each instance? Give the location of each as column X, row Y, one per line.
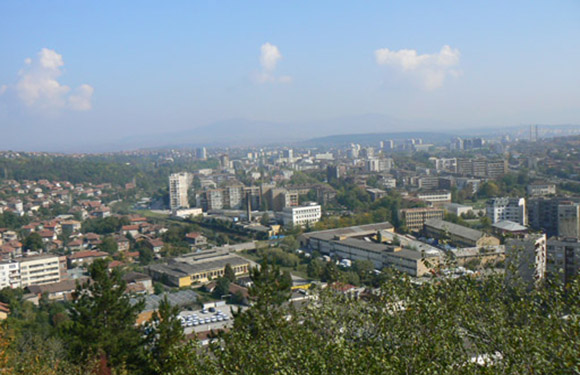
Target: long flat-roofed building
column 371, row 242
column 459, row 235
column 180, row 274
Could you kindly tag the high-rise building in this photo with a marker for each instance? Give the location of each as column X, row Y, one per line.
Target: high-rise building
column 569, row 220
column 233, row 196
column 389, row 145
column 506, row 208
column 225, row 161
column 527, row 258
column 179, row 184
column 563, row 258
column 201, row 153
column 544, row 214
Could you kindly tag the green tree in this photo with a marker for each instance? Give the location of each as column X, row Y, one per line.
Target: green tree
column 33, row 242
column 164, row 338
column 222, row 288
column 103, row 320
column 265, row 220
column 109, row 245
column 229, row 273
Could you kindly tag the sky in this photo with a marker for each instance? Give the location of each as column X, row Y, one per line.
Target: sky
column 87, row 73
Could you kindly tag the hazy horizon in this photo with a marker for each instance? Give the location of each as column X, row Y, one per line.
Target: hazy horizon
column 87, row 75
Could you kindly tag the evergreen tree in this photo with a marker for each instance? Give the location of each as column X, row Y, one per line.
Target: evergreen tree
column 164, row 338
column 103, row 320
column 229, row 273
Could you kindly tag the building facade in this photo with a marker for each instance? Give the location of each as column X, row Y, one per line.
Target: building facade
column 301, row 215
column 415, row 218
column 179, row 184
column 507, row 208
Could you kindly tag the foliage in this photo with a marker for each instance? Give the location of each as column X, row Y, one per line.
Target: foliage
column 106, row 225
column 222, row 288
column 229, row 273
column 103, row 320
column 109, row 245
column 33, row 242
column 12, row 221
column 165, row 336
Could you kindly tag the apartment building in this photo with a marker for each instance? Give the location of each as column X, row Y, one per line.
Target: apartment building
column 563, row 258
column 9, row 274
column 41, row 269
column 541, row 189
column 415, row 218
column 526, row 258
column 569, row 220
column 301, row 215
column 436, row 198
column 507, row 208
column 482, row 167
column 179, row 184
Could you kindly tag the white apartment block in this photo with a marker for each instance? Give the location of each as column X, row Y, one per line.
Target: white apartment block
column 178, row 186
column 301, row 215
column 538, row 190
column 9, row 274
column 437, row 198
column 379, row 165
column 505, row 208
column 41, row 269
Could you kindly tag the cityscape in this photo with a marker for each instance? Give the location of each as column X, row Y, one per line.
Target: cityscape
column 274, row 221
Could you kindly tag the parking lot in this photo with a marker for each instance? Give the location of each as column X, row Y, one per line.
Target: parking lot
column 205, row 320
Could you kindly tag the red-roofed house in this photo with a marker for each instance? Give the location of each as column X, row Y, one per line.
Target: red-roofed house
column 195, row 238
column 85, row 257
column 133, row 230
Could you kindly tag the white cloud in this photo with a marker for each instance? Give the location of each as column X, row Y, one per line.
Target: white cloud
column 270, row 54
column 429, row 69
column 80, row 100
column 38, row 86
column 269, row 57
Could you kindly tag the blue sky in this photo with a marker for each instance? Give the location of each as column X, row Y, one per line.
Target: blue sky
column 107, row 70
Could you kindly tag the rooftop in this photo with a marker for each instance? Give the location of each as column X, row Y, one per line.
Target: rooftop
column 455, row 229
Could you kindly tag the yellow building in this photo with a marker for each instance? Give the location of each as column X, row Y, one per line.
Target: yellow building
column 182, row 274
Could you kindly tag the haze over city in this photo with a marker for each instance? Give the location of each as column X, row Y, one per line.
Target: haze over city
column 95, row 74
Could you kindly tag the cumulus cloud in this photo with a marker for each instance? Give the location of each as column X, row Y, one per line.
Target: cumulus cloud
column 38, row 85
column 429, row 69
column 269, row 57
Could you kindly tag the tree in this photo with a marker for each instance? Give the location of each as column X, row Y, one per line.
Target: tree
column 103, row 320
column 164, row 338
column 315, row 268
column 229, row 273
column 109, row 245
column 269, row 284
column 33, row 242
column 265, row 220
column 222, row 287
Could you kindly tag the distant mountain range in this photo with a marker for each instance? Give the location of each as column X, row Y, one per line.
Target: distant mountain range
column 363, row 129
column 366, row 129
column 243, row 132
